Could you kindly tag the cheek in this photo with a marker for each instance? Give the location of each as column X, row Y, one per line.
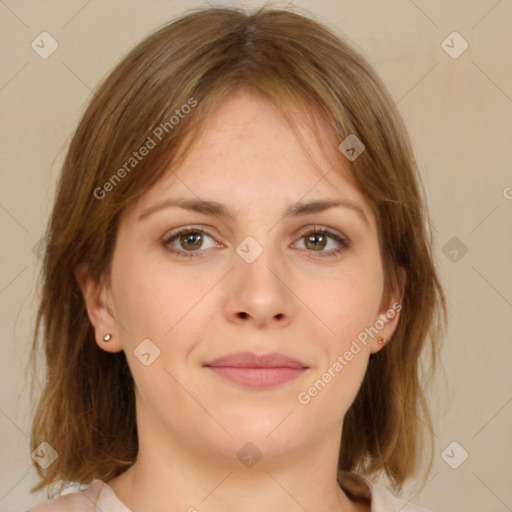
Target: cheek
column 156, row 304
column 348, row 306
column 349, row 309
column 348, row 303
column 151, row 299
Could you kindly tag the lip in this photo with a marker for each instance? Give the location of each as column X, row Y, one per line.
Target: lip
column 257, row 371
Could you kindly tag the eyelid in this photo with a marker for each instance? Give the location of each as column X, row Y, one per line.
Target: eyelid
column 184, row 229
column 318, row 228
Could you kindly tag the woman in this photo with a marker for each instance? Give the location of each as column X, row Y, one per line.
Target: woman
column 238, row 282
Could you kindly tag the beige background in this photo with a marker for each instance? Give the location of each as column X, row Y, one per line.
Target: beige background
column 459, row 112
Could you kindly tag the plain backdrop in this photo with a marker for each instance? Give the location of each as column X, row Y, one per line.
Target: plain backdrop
column 459, row 112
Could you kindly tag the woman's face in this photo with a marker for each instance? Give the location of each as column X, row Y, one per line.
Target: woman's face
column 238, row 269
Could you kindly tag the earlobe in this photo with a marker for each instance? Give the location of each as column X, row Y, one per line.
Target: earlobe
column 381, row 340
column 389, row 313
column 95, row 296
column 386, row 323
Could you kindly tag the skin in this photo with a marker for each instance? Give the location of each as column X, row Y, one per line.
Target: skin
column 291, row 300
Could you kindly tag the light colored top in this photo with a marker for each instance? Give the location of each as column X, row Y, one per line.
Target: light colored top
column 99, row 496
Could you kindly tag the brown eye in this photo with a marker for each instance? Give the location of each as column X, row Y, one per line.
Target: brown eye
column 188, row 242
column 191, row 241
column 316, row 241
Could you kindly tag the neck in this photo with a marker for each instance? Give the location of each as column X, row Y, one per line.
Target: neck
column 171, row 474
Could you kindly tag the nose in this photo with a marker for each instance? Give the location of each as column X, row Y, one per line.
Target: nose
column 258, row 293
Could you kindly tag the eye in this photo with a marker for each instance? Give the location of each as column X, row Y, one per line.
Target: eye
column 188, row 241
column 191, row 242
column 319, row 238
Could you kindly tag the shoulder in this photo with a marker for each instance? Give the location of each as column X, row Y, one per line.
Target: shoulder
column 384, row 501
column 379, row 497
column 99, row 496
column 72, row 502
column 86, row 500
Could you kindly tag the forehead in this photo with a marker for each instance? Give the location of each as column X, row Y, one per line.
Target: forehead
column 246, row 151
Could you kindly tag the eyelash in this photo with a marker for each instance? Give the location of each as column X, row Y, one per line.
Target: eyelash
column 342, row 241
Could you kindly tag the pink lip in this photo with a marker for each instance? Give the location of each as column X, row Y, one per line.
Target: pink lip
column 254, row 371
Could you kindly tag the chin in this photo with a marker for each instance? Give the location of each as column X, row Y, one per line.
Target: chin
column 272, row 434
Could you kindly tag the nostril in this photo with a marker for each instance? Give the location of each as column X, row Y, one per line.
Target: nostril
column 242, row 315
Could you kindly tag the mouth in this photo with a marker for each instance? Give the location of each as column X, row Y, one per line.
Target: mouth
column 257, row 371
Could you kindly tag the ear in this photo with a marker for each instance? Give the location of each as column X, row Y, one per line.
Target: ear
column 95, row 294
column 389, row 313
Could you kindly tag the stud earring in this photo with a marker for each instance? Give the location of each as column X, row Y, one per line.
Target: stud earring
column 381, row 340
column 107, row 337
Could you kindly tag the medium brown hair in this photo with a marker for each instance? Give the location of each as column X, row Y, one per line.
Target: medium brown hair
column 86, row 411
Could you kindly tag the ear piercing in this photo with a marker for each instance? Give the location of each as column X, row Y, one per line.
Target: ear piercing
column 380, row 339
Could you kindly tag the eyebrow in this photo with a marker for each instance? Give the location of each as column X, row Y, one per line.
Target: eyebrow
column 219, row 210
